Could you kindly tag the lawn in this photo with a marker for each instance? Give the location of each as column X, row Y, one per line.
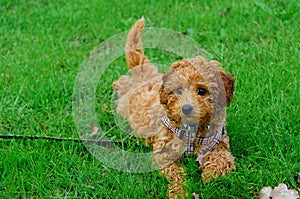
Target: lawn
column 43, row 44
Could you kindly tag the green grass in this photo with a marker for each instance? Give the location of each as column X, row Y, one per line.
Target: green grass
column 43, row 43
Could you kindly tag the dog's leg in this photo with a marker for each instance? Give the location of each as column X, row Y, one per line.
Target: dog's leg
column 167, row 151
column 218, row 162
column 175, row 174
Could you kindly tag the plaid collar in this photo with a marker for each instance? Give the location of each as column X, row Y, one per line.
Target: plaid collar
column 188, row 134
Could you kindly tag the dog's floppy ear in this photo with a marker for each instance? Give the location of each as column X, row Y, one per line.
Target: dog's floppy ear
column 228, row 81
column 163, row 92
column 163, row 96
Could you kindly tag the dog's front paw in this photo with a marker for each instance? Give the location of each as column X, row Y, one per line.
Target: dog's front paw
column 176, row 191
column 217, row 163
column 175, row 174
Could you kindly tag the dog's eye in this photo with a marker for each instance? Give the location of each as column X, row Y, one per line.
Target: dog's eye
column 201, row 91
column 179, row 91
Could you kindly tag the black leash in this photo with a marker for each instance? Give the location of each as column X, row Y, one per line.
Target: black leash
column 103, row 143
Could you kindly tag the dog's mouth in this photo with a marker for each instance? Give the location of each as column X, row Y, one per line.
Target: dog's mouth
column 185, row 131
column 189, row 121
column 190, row 128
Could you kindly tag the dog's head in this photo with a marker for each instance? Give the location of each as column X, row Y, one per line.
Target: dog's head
column 191, row 88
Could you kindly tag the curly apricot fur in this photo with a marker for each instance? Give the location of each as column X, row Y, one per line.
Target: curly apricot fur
column 146, row 96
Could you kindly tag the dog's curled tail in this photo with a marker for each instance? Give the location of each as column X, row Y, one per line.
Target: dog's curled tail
column 134, row 47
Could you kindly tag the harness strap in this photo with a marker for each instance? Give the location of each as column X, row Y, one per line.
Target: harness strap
column 188, row 134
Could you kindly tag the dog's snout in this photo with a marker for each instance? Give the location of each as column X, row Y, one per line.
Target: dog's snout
column 187, row 109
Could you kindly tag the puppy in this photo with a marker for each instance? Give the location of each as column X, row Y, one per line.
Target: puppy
column 179, row 114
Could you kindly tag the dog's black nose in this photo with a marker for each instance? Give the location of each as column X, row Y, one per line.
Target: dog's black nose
column 187, row 109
